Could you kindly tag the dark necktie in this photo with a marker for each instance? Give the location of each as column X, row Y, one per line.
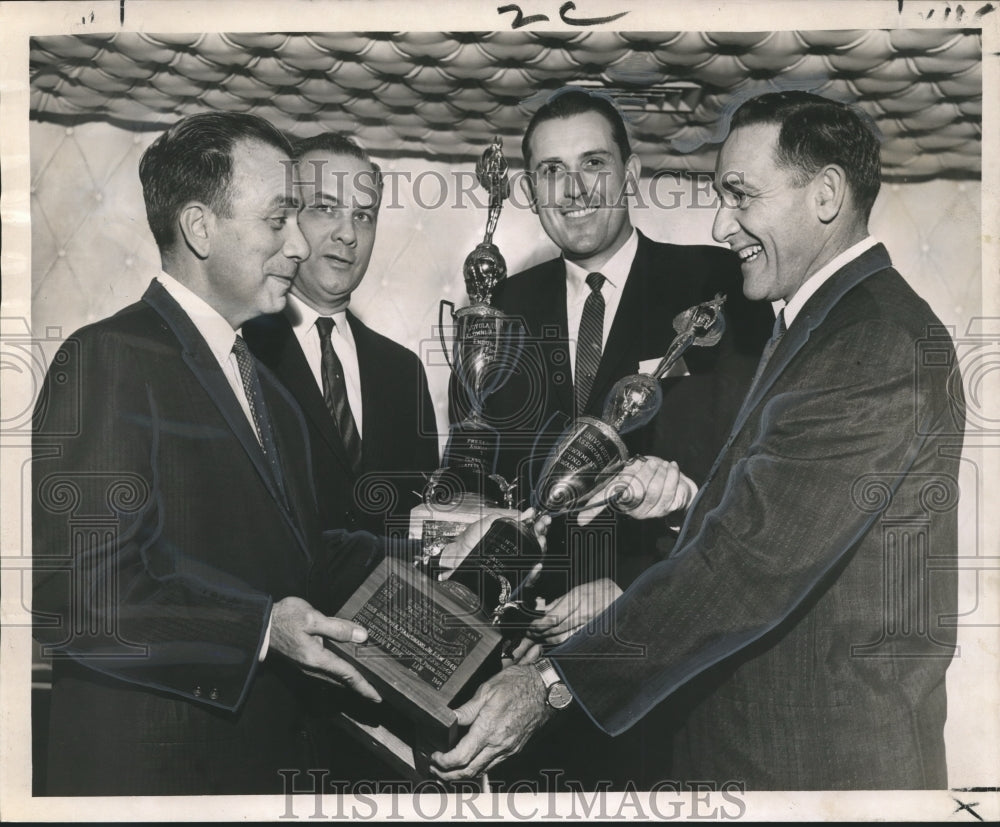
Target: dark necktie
column 335, row 394
column 589, row 341
column 258, row 410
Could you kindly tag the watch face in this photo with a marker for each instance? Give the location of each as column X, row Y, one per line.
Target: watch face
column 559, row 696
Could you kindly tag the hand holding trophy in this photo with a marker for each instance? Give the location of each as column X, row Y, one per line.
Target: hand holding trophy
column 588, row 454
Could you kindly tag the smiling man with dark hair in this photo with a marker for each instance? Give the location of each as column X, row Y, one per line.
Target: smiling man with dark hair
column 797, row 631
column 600, row 311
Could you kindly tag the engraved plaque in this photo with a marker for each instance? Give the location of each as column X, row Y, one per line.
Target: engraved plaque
column 423, row 650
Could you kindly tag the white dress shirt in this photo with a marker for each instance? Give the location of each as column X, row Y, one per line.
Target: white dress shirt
column 821, row 276
column 615, row 272
column 303, row 320
column 302, row 317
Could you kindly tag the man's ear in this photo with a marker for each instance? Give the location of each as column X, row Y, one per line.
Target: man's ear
column 196, row 222
column 528, row 188
column 633, row 168
column 830, row 191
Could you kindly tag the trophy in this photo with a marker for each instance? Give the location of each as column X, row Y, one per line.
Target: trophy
column 588, row 454
column 429, row 646
column 482, row 358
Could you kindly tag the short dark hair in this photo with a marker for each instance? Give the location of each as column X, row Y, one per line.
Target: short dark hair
column 337, row 143
column 569, row 102
column 816, row 131
column 193, row 161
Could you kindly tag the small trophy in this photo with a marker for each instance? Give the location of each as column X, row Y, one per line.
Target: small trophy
column 585, row 457
column 482, row 358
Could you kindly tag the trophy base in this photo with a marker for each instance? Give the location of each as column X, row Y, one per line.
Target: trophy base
column 499, row 566
column 457, row 482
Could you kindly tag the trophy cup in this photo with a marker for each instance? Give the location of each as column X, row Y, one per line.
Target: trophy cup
column 584, row 458
column 483, row 355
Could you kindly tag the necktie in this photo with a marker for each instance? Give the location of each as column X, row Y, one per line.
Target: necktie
column 589, row 341
column 780, row 328
column 335, row 394
column 258, row 410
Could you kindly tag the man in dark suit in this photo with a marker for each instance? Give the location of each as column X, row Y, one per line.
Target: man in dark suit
column 369, row 412
column 801, row 624
column 580, row 169
column 369, row 457
column 176, row 540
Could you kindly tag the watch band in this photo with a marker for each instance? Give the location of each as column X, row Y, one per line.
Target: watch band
column 557, row 694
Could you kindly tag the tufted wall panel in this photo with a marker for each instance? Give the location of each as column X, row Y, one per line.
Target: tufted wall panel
column 92, row 251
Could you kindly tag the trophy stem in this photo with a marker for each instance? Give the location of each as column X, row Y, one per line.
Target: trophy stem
column 676, row 350
column 491, row 222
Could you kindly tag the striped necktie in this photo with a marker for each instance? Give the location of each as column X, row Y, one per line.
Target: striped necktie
column 335, row 394
column 589, row 341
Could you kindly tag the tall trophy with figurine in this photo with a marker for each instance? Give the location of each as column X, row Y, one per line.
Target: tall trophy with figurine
column 484, row 351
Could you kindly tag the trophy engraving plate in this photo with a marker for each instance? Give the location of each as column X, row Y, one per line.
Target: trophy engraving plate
column 408, row 626
column 423, row 650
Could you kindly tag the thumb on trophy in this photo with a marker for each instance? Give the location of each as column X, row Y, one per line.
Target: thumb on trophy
column 646, row 488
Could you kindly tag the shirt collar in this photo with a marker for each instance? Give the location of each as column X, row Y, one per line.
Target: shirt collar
column 215, row 330
column 302, row 317
column 821, row 276
column 615, row 269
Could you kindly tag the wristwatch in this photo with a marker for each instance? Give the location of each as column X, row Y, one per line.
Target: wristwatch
column 557, row 694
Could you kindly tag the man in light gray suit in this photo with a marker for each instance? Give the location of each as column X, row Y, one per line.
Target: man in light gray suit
column 800, row 626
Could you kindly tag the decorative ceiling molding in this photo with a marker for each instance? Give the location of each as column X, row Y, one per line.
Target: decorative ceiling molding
column 445, row 95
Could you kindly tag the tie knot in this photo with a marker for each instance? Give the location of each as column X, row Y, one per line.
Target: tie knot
column 325, row 325
column 595, row 281
column 240, row 347
column 780, row 328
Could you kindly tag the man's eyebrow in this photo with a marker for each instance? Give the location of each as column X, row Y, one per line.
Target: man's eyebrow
column 590, row 153
column 281, row 200
column 550, row 160
column 323, row 197
column 284, row 202
column 733, row 181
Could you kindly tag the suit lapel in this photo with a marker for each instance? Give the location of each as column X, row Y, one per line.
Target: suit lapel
column 278, row 397
column 369, row 370
column 203, row 364
column 550, row 306
column 813, row 313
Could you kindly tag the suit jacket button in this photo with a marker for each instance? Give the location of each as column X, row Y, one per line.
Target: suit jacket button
column 197, row 691
column 214, row 694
